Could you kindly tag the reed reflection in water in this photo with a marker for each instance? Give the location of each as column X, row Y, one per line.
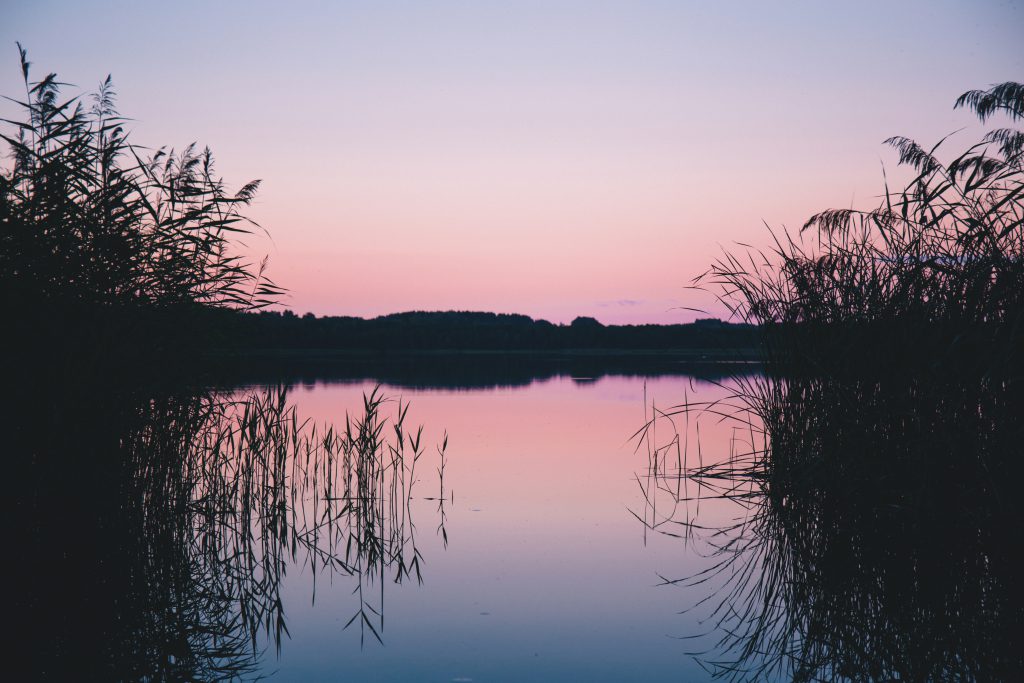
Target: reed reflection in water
column 157, row 531
column 876, row 533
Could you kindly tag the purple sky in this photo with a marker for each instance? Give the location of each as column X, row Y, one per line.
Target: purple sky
column 548, row 158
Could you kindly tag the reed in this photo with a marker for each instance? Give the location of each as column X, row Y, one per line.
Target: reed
column 87, row 217
column 190, row 509
column 935, row 272
column 157, row 524
column 872, row 529
column 873, row 467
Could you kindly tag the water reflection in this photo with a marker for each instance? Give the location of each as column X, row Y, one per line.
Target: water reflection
column 545, row 578
column 473, row 371
column 875, row 533
column 155, row 532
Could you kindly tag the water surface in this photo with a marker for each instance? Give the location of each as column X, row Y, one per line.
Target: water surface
column 174, row 532
column 548, row 575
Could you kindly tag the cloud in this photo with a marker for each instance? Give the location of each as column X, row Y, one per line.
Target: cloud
column 620, row 303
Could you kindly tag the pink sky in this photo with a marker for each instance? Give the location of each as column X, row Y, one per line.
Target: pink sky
column 554, row 159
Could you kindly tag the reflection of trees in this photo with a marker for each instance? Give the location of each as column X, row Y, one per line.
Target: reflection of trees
column 157, row 532
column 878, row 528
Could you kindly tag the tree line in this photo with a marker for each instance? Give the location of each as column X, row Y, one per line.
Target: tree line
column 464, row 330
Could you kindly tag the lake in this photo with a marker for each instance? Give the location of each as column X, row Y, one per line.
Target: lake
column 548, row 575
column 537, row 528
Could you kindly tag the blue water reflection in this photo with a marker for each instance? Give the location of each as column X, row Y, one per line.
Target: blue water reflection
column 548, row 575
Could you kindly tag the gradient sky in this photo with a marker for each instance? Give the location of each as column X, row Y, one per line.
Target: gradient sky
column 548, row 158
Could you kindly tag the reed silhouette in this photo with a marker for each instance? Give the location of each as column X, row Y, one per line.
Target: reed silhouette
column 154, row 518
column 935, row 274
column 154, row 530
column 107, row 250
column 874, row 535
column 874, row 465
column 87, row 217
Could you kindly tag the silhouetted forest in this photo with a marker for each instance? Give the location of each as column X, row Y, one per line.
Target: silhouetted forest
column 109, row 256
column 471, row 331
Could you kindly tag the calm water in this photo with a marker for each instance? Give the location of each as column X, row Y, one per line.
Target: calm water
column 547, row 574
column 170, row 533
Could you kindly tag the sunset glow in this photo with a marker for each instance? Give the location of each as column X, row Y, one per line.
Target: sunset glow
column 552, row 159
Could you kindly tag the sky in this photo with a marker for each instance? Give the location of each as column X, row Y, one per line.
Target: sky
column 551, row 158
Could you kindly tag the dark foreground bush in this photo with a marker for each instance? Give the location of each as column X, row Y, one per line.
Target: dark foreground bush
column 874, row 532
column 92, row 227
column 875, row 465
column 934, row 274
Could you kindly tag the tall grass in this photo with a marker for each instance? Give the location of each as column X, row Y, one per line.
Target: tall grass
column 873, row 527
column 88, row 217
column 156, row 526
column 190, row 510
column 874, row 467
column 936, row 268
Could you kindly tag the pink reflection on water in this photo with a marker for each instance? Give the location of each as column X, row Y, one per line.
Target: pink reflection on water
column 546, row 565
column 566, row 444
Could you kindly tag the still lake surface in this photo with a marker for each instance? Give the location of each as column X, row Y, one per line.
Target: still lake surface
column 548, row 574
column 174, row 532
